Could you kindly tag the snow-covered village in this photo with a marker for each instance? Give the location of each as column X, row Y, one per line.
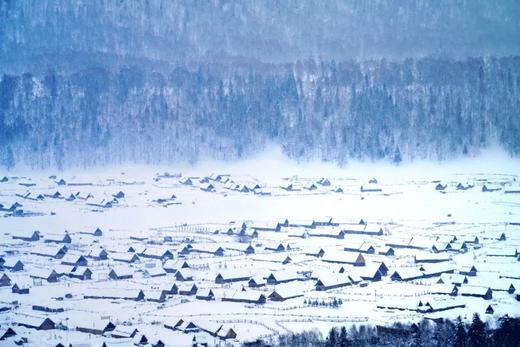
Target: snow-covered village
column 220, row 259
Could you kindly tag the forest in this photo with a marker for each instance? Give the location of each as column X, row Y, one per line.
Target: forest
column 427, row 108
column 67, row 34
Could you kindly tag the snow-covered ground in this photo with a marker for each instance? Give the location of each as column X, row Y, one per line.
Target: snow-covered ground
column 413, row 217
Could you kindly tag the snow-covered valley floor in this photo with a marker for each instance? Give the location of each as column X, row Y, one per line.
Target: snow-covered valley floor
column 231, row 253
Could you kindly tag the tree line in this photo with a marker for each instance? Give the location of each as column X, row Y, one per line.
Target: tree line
column 427, row 333
column 333, row 111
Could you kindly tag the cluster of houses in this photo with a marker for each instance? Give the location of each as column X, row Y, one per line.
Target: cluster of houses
column 42, row 195
column 243, row 266
column 324, row 185
column 224, row 182
column 227, row 183
column 353, row 255
column 505, row 187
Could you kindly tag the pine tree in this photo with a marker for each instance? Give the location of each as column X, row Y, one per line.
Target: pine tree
column 343, row 338
column 460, row 335
column 397, row 156
column 444, row 333
column 465, row 149
column 332, row 339
column 507, row 333
column 477, row 335
column 416, row 336
column 8, row 160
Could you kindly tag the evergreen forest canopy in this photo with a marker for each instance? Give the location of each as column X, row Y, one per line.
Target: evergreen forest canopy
column 105, row 82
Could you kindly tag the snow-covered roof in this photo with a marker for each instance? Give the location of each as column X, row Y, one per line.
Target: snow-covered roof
column 421, row 242
column 343, row 257
column 156, row 295
column 123, row 256
column 185, row 273
column 502, row 252
column 47, row 250
column 205, row 292
column 408, row 273
column 289, row 290
column 56, row 237
column 155, row 271
column 442, row 288
column 495, row 284
column 72, row 258
column 42, row 273
column 186, row 287
column 96, row 251
column 156, row 251
column 230, row 274
column 437, row 268
column 11, row 262
column 122, row 271
column 206, row 247
column 334, row 279
column 113, row 293
column 439, row 305
column 248, row 295
column 63, row 269
column 206, row 325
column 285, row 275
column 94, row 324
column 453, row 278
column 173, row 264
column 259, row 280
column 25, row 233
column 473, row 290
column 431, row 257
column 30, row 320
